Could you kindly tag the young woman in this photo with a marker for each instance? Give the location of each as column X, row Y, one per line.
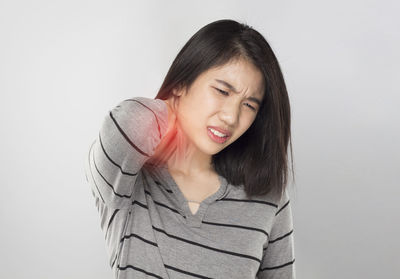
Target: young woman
column 193, row 183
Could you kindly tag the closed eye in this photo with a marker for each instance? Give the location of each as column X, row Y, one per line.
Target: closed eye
column 227, row 94
column 222, row 92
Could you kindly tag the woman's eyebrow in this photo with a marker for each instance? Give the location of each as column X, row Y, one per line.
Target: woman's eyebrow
column 231, row 87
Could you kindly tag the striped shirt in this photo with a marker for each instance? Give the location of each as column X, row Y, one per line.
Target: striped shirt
column 149, row 229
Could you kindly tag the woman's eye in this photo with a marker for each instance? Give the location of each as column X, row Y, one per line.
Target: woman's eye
column 227, row 94
column 253, row 108
column 222, row 91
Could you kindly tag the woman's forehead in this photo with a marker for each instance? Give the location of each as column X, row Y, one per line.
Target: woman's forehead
column 237, row 77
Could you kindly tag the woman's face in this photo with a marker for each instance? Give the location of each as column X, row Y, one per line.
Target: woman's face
column 205, row 105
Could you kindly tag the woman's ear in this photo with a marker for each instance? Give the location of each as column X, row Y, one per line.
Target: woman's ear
column 179, row 90
column 177, row 93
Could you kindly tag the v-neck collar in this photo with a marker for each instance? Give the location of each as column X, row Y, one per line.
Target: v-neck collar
column 193, row 220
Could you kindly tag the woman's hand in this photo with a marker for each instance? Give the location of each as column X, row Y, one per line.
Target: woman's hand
column 167, row 145
column 171, row 115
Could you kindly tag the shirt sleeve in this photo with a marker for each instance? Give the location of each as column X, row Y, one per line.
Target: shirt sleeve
column 128, row 137
column 278, row 257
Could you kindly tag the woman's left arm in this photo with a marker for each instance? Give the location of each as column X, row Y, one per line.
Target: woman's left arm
column 278, row 257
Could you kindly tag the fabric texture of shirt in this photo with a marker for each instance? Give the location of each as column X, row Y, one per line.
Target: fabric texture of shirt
column 149, row 229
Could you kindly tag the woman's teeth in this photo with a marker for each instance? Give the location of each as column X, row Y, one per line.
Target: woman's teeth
column 217, row 133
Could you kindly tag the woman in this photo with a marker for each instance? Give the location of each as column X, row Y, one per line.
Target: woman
column 193, row 183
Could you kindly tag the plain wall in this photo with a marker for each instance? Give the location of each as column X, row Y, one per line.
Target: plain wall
column 64, row 64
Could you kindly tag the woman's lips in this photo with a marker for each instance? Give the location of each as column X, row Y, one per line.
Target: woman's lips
column 215, row 137
column 223, row 131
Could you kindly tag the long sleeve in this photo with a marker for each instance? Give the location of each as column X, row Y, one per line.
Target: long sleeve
column 128, row 136
column 278, row 257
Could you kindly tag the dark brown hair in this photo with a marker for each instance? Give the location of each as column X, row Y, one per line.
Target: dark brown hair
column 258, row 159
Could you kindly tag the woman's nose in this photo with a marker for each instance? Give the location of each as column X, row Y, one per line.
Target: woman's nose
column 230, row 115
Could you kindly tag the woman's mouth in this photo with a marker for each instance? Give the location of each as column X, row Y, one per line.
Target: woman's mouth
column 216, row 135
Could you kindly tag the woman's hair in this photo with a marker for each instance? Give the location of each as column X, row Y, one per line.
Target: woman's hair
column 258, row 158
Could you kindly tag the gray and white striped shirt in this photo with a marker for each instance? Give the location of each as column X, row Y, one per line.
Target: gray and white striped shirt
column 149, row 229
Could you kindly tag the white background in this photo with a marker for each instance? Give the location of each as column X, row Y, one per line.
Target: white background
column 64, row 64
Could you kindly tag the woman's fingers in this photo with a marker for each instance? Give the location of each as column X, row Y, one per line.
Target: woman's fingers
column 171, row 115
column 167, row 144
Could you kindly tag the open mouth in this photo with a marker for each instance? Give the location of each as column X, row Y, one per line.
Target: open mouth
column 217, row 136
